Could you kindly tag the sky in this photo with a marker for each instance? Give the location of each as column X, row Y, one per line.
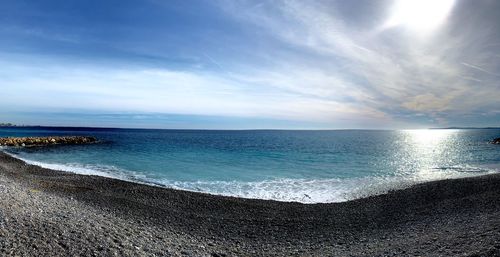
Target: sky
column 230, row 64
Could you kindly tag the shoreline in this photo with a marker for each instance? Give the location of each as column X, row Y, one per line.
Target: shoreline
column 376, row 191
column 49, row 212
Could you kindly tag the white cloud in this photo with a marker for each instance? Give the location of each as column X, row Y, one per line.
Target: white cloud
column 166, row 91
column 392, row 69
column 316, row 67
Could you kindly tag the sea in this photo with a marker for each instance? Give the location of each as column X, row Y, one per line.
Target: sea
column 282, row 165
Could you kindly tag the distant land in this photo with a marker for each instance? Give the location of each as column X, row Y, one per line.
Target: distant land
column 7, row 124
column 468, row 128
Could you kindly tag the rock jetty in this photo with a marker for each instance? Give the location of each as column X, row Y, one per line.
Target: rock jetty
column 496, row 141
column 43, row 141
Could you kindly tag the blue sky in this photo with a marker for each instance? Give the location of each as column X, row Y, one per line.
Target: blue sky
column 250, row 64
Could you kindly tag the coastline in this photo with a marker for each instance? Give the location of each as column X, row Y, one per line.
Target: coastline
column 48, row 212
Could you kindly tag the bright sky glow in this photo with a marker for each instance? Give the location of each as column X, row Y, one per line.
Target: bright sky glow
column 420, row 15
column 250, row 64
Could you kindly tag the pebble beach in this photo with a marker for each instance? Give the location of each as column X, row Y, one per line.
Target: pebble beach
column 51, row 213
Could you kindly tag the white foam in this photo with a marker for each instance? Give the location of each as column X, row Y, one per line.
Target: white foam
column 77, row 168
column 316, row 191
column 288, row 190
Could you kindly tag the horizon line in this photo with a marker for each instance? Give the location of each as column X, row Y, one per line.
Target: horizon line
column 240, row 129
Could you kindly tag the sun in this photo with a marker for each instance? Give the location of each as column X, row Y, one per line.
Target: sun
column 419, row 15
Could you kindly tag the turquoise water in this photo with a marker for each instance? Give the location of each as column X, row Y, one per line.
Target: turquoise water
column 304, row 166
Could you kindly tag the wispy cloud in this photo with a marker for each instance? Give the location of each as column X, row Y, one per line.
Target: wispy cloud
column 165, row 91
column 328, row 62
column 390, row 69
column 480, row 69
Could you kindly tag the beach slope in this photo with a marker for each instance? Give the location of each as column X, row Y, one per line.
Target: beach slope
column 51, row 213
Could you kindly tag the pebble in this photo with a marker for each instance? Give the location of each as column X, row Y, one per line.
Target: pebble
column 59, row 220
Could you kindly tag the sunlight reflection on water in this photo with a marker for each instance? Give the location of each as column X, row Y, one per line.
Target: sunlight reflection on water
column 432, row 150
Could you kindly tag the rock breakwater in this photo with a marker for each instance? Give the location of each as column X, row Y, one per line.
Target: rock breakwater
column 43, row 141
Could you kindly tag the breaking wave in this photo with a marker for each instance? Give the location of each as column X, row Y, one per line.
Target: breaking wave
column 282, row 189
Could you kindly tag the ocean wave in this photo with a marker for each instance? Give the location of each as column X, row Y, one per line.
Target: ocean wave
column 85, row 169
column 287, row 190
column 318, row 191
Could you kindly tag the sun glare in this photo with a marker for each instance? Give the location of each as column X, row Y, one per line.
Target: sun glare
column 429, row 137
column 419, row 15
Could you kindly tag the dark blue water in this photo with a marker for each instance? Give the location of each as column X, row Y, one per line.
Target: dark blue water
column 306, row 166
